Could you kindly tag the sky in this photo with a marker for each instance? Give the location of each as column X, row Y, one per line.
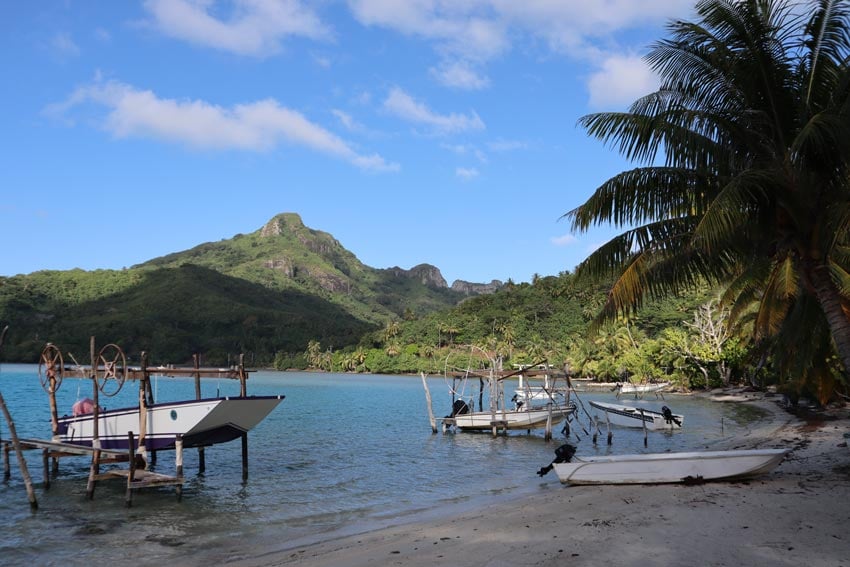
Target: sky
column 414, row 131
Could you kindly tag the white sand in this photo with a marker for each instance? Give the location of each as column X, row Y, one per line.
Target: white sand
column 798, row 515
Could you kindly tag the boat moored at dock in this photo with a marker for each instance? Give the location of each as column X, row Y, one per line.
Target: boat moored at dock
column 199, row 422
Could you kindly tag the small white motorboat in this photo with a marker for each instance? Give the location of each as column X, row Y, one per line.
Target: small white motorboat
column 657, row 468
column 523, row 418
column 634, row 416
column 513, row 419
column 200, row 422
column 640, row 389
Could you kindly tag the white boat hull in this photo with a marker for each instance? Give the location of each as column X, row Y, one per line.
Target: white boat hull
column 514, row 419
column 660, row 468
column 199, row 422
column 629, row 388
column 628, row 416
column 538, row 395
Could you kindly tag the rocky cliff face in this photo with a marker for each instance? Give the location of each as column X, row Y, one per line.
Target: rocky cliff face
column 469, row 288
column 425, row 274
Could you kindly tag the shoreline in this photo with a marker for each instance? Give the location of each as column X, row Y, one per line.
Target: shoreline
column 794, row 515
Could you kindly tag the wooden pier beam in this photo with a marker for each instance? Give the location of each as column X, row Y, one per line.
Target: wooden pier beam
column 202, row 463
column 430, row 406
column 143, row 415
column 7, row 471
column 131, row 476
column 94, row 470
column 16, row 443
column 178, row 462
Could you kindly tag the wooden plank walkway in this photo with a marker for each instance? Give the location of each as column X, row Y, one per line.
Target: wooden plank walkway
column 135, row 478
column 66, row 449
column 141, row 478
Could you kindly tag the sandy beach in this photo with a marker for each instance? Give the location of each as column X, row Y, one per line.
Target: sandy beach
column 797, row 515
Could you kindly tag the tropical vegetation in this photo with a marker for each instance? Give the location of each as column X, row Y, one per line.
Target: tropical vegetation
column 743, row 181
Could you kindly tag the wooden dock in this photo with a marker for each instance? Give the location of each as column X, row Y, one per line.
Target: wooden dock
column 108, row 372
column 134, row 477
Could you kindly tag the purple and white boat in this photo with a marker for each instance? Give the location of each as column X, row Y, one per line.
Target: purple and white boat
column 200, row 422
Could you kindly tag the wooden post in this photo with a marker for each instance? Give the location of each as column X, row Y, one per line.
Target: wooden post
column 243, row 391
column 245, row 456
column 45, row 460
column 643, row 421
column 54, row 412
column 243, row 378
column 430, row 407
column 178, row 462
column 131, row 477
column 16, row 443
column 595, row 428
column 7, row 470
column 608, row 427
column 202, row 463
column 94, row 470
column 143, row 414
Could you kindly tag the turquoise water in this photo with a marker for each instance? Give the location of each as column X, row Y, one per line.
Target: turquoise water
column 342, row 453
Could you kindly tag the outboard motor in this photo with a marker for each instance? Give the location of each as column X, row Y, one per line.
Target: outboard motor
column 459, row 408
column 563, row 454
column 667, row 413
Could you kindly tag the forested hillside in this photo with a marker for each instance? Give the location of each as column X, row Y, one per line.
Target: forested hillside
column 270, row 291
column 550, row 320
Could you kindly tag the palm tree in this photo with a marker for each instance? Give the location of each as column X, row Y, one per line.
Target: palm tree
column 314, row 354
column 745, row 175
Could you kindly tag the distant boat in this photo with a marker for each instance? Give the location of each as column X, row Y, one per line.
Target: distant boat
column 523, row 418
column 632, row 416
column 200, row 422
column 658, row 468
column 640, row 389
column 535, row 393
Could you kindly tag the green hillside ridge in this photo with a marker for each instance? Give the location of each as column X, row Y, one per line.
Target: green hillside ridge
column 286, row 255
column 261, row 293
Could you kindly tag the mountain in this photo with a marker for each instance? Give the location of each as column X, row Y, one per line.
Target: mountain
column 287, row 255
column 271, row 290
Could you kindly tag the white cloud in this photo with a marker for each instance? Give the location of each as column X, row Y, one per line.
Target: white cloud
column 463, row 28
column 461, row 75
column 322, row 61
column 571, row 26
column 404, row 106
column 620, row 81
column 255, row 27
column 564, row 240
column 466, row 173
column 64, row 44
column 344, row 118
column 102, row 35
column 501, row 145
column 469, row 33
column 465, row 149
column 256, row 126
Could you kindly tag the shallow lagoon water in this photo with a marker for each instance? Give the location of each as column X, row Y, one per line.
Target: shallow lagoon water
column 342, row 453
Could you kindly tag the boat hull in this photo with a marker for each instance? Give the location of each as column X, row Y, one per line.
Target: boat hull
column 521, row 419
column 659, row 468
column 538, row 395
column 627, row 416
column 629, row 388
column 199, row 422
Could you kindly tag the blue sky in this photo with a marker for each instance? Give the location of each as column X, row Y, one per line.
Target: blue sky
column 414, row 131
